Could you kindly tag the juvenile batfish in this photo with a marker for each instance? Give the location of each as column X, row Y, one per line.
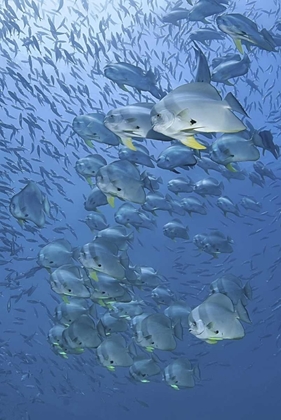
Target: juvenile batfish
column 90, row 127
column 230, row 148
column 215, row 319
column 132, row 121
column 30, row 204
column 180, row 374
column 196, row 108
column 121, row 179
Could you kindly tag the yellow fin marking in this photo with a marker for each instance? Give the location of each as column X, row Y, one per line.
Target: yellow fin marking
column 128, row 143
column 89, row 144
column 89, row 180
column 211, row 341
column 65, row 299
column 238, row 45
column 94, row 276
column 193, row 143
column 230, row 167
column 110, row 201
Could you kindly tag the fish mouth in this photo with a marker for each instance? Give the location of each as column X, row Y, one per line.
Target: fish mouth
column 132, row 132
column 193, row 332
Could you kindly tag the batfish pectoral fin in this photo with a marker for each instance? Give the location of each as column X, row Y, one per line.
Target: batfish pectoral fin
column 238, row 45
column 89, row 180
column 109, row 305
column 21, row 222
column 65, row 299
column 63, row 354
column 129, row 143
column 111, row 368
column 230, row 168
column 123, row 87
column 193, row 143
column 175, row 387
column 110, row 200
column 89, row 144
column 94, row 276
column 211, row 341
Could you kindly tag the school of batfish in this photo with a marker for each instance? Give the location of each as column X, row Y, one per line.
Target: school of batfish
column 85, row 96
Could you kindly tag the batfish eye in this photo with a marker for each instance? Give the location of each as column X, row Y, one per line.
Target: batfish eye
column 119, row 189
column 99, row 265
column 111, row 362
column 69, row 290
column 216, row 332
column 137, row 127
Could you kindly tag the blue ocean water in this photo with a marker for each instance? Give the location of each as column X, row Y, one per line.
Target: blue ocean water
column 52, row 60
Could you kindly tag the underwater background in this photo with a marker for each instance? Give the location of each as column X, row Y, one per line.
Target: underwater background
column 48, row 76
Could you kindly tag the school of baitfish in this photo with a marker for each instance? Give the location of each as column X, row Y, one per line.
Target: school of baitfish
column 87, row 91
